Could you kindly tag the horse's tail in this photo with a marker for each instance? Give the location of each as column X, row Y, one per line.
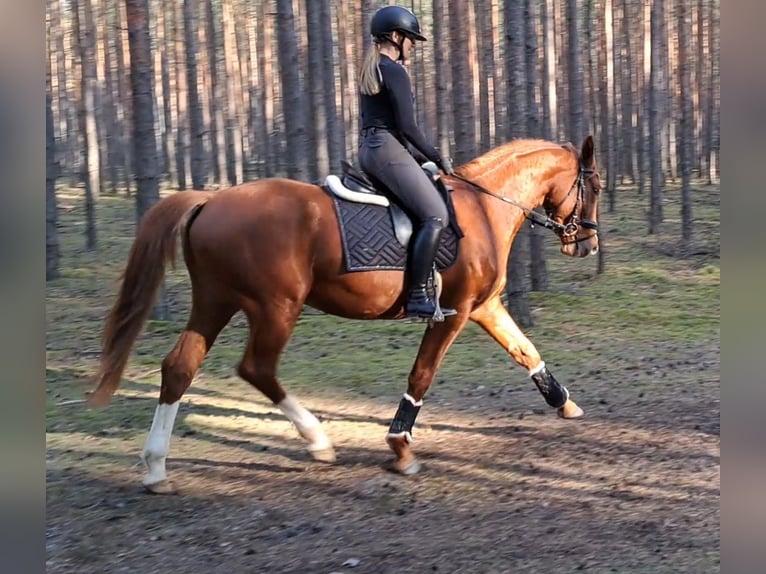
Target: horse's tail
column 152, row 248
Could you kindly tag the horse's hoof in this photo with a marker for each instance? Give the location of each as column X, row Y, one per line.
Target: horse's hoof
column 98, row 399
column 570, row 410
column 323, row 455
column 161, row 487
column 408, row 467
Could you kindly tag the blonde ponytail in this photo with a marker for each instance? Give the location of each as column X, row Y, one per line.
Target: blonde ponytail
column 369, row 77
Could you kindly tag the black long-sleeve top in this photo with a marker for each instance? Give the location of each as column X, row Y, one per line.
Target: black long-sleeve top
column 392, row 109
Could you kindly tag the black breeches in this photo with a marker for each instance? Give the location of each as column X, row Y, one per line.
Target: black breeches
column 384, row 159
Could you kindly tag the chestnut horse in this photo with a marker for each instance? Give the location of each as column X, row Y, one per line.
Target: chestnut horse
column 270, row 246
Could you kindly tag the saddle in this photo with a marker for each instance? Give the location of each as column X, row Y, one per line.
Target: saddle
column 355, row 186
column 375, row 230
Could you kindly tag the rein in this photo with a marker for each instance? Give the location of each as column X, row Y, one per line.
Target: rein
column 567, row 229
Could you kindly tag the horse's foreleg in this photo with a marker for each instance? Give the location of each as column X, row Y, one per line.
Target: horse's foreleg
column 494, row 319
column 433, row 347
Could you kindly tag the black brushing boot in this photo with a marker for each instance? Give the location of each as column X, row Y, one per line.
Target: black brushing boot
column 423, row 251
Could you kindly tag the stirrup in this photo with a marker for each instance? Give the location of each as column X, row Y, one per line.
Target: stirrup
column 429, row 310
column 428, row 300
column 440, row 314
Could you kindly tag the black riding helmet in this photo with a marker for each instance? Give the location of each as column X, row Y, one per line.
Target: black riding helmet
column 391, row 19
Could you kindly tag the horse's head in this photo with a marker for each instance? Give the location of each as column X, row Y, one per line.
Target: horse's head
column 574, row 204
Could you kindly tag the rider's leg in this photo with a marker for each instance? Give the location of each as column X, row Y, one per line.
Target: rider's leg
column 423, row 250
column 383, row 157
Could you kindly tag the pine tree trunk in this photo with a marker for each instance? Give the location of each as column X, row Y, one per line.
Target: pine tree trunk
column 685, row 129
column 423, row 70
column 235, row 166
column 181, row 120
column 531, row 17
column 170, row 91
column 100, row 103
column 700, row 81
column 244, row 103
column 125, row 97
column 334, row 135
column 316, row 131
column 292, row 94
column 144, row 143
column 486, row 68
column 196, row 127
column 574, row 73
column 71, row 147
column 267, row 72
column 519, row 257
column 347, row 79
column 462, row 99
column 51, row 210
column 592, row 122
column 216, row 95
column 91, row 86
column 203, row 80
column 499, row 84
column 472, row 80
column 163, row 94
column 550, row 105
column 714, row 90
column 109, row 117
column 89, row 166
column 670, row 112
column 440, row 35
column 628, row 87
column 59, row 95
column 516, row 285
column 538, row 269
column 611, row 114
column 656, row 106
column 515, row 69
column 644, row 113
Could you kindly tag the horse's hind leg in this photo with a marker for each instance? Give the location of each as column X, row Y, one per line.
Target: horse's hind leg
column 178, row 369
column 270, row 328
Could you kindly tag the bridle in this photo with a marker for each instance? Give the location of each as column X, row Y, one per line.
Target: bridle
column 571, row 228
column 564, row 230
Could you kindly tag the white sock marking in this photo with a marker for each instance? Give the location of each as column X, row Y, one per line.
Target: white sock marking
column 307, row 424
column 537, row 369
column 157, row 445
column 413, row 401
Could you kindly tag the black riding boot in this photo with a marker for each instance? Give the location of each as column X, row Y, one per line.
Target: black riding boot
column 421, row 261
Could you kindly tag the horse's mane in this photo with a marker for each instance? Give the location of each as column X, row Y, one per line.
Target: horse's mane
column 518, row 149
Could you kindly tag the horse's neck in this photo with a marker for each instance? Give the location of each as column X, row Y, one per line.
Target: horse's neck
column 524, row 178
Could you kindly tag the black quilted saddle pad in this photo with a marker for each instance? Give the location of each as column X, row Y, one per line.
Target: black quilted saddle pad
column 369, row 243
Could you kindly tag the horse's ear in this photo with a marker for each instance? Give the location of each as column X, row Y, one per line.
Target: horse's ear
column 587, row 151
